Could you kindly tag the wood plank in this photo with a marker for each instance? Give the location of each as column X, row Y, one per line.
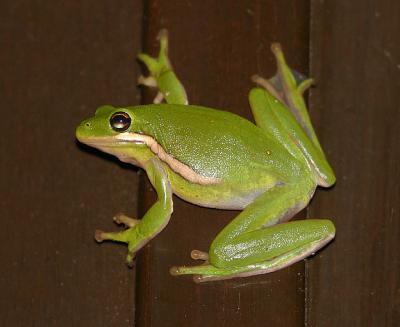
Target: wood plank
column 59, row 61
column 215, row 47
column 356, row 62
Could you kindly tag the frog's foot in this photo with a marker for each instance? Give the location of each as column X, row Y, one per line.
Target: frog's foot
column 208, row 272
column 124, row 237
column 128, row 236
column 156, row 66
column 286, row 78
column 162, row 75
column 288, row 86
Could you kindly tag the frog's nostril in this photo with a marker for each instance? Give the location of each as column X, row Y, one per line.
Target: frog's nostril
column 87, row 124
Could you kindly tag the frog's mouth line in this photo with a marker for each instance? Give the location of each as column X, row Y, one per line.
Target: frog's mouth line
column 107, row 141
column 179, row 167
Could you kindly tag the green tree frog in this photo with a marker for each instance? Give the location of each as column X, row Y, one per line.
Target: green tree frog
column 217, row 159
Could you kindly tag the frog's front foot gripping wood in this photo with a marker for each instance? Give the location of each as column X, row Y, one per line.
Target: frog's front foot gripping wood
column 155, row 219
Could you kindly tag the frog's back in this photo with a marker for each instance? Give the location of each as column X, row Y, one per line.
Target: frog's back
column 214, row 143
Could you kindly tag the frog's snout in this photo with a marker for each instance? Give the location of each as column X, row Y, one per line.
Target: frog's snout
column 84, row 129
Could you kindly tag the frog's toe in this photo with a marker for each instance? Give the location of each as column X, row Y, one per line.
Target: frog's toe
column 120, row 218
column 99, row 236
column 163, row 36
column 203, row 269
column 123, row 236
column 199, row 255
column 186, row 270
column 158, row 98
column 148, row 81
column 130, row 258
column 174, row 271
column 269, row 85
column 202, row 273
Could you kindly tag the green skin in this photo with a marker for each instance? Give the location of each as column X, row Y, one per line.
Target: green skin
column 216, row 159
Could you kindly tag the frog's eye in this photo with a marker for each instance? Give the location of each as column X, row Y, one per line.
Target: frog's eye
column 120, row 121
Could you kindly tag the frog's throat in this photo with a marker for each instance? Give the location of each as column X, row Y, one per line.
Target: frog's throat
column 180, row 168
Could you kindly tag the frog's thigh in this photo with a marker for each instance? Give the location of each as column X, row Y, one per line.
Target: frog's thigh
column 281, row 241
column 249, row 237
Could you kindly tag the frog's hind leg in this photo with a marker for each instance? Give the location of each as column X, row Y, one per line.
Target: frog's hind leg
column 207, row 272
column 257, row 241
column 289, row 86
column 162, row 75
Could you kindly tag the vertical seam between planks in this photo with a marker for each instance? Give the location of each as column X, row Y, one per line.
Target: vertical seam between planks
column 310, row 71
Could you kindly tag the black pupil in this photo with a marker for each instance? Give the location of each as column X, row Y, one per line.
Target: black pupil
column 120, row 121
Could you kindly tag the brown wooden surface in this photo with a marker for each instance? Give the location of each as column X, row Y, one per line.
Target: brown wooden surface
column 355, row 57
column 60, row 60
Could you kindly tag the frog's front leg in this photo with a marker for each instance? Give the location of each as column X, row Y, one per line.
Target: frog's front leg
column 162, row 75
column 259, row 240
column 155, row 219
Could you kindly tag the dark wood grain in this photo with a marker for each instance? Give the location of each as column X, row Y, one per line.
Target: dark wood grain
column 59, row 61
column 215, row 47
column 356, row 61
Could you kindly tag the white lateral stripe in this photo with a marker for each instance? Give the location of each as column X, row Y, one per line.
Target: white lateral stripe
column 184, row 170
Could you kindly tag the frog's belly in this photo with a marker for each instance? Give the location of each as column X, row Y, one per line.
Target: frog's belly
column 220, row 196
column 231, row 202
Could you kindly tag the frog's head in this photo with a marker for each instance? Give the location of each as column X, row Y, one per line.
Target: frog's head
column 112, row 130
